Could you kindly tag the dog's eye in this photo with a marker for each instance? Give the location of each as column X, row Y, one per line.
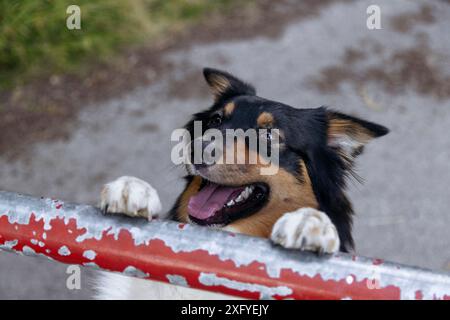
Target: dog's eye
column 215, row 120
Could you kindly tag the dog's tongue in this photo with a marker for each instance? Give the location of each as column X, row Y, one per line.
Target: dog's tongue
column 210, row 199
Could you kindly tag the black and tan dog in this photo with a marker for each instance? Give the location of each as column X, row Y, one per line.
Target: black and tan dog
column 302, row 206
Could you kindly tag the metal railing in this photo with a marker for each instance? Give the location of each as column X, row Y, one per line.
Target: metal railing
column 201, row 258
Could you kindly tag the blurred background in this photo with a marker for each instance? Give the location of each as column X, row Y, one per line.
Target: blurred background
column 81, row 107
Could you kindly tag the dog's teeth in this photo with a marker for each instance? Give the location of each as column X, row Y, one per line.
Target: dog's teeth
column 248, row 191
column 242, row 196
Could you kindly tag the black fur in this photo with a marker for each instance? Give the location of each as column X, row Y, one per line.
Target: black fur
column 306, row 138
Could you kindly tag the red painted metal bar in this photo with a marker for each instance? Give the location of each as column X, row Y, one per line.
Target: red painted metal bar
column 201, row 258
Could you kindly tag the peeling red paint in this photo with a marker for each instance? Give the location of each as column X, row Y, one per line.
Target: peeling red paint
column 419, row 295
column 161, row 259
column 116, row 252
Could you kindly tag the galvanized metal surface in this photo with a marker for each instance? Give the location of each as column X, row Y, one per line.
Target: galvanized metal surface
column 201, row 258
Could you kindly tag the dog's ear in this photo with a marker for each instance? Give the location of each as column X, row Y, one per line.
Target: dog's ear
column 349, row 134
column 225, row 85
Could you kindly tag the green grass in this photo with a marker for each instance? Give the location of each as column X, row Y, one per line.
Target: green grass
column 34, row 40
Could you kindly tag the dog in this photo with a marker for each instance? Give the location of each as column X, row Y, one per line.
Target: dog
column 303, row 206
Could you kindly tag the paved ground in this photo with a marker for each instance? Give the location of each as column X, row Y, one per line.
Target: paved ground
column 398, row 76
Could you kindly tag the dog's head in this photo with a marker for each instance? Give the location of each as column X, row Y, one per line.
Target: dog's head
column 316, row 149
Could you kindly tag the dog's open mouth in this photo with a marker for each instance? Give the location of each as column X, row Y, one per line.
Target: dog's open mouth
column 218, row 205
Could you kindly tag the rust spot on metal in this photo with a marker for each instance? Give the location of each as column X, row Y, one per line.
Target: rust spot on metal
column 377, row 262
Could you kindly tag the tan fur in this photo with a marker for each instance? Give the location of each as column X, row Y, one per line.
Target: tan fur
column 219, row 84
column 265, row 120
column 288, row 193
column 340, row 127
column 229, row 108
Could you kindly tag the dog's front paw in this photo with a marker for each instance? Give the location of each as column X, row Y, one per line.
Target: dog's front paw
column 306, row 229
column 130, row 196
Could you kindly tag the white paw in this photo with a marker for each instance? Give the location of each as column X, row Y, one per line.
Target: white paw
column 130, row 196
column 306, row 229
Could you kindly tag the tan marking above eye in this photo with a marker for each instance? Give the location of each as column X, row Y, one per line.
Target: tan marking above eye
column 265, row 120
column 229, row 108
